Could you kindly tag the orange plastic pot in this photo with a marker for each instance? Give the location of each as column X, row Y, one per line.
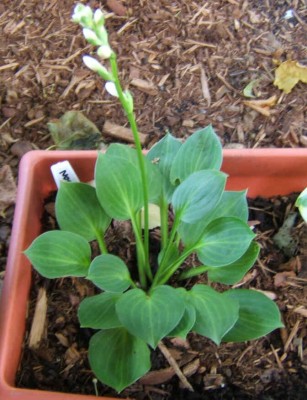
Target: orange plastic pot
column 265, row 172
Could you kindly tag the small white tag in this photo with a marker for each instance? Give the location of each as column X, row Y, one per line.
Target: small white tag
column 63, row 171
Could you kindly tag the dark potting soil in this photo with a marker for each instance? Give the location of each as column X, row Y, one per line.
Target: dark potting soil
column 273, row 367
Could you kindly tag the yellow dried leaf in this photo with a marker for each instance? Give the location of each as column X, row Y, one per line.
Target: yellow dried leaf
column 288, row 74
column 262, row 106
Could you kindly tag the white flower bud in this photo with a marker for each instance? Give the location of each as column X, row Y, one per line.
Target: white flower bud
column 104, row 52
column 92, row 63
column 83, row 15
column 91, row 37
column 111, row 89
column 98, row 18
column 95, row 66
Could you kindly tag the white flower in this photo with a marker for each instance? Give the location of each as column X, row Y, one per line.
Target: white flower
column 83, row 15
column 111, row 89
column 91, row 37
column 95, row 66
column 92, row 63
column 104, row 52
column 98, row 17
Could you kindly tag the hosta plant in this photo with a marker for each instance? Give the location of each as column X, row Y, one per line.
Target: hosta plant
column 131, row 316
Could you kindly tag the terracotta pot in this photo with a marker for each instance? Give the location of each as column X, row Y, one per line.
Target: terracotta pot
column 265, row 172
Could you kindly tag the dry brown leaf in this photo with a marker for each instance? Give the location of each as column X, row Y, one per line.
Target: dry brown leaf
column 262, row 106
column 288, row 74
column 157, row 377
column 281, row 279
column 7, row 188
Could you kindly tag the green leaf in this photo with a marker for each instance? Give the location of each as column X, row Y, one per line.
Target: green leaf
column 225, row 240
column 188, row 319
column 153, row 174
column 248, row 90
column 258, row 315
column 118, row 358
column 233, row 273
column 162, row 154
column 57, row 254
column 78, row 210
column 215, row 315
column 197, row 196
column 202, row 150
column 169, row 257
column 231, row 204
column 118, row 186
column 123, row 151
column 151, row 316
column 98, row 312
column 301, row 203
column 109, row 273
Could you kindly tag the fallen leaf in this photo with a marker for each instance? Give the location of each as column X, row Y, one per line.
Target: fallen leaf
column 262, row 106
column 248, row 90
column 157, row 377
column 281, row 279
column 74, row 131
column 288, row 74
column 283, row 238
column 7, row 188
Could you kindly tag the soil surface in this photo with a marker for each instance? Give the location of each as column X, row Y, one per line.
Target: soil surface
column 187, row 64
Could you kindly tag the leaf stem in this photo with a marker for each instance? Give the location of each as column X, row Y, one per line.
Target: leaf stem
column 164, row 222
column 193, row 272
column 168, row 247
column 140, row 252
column 101, row 243
column 173, row 267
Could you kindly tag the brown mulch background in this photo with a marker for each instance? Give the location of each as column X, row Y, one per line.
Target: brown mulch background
column 196, row 58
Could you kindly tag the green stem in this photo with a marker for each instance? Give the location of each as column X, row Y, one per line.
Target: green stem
column 166, row 274
column 193, row 272
column 173, row 267
column 140, row 252
column 101, row 243
column 168, row 247
column 164, row 222
column 141, row 159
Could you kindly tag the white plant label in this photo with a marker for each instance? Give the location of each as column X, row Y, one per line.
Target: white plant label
column 63, row 171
